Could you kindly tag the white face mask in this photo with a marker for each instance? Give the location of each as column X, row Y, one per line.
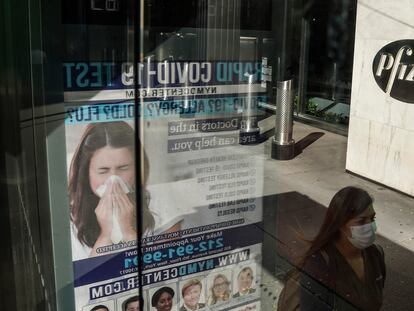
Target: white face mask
column 363, row 236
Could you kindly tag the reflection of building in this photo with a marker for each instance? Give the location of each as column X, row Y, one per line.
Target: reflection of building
column 311, row 41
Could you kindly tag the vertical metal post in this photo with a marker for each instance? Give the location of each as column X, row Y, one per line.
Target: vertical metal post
column 249, row 131
column 334, row 75
column 303, row 66
column 283, row 146
column 138, row 57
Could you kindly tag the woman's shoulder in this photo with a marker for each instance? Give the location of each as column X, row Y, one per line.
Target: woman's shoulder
column 376, row 252
column 318, row 265
column 210, row 300
column 79, row 250
column 318, row 258
column 376, row 248
column 165, row 219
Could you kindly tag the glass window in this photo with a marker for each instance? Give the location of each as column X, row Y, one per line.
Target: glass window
column 185, row 155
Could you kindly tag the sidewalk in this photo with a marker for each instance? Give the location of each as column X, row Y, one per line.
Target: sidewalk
column 318, row 173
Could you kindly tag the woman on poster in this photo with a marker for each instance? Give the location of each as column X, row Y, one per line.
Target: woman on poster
column 162, row 299
column 102, row 191
column 219, row 290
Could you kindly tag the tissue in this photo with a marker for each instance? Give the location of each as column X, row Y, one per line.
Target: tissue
column 116, row 234
column 113, row 178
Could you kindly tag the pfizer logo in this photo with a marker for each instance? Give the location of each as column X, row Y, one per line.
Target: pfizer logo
column 393, row 69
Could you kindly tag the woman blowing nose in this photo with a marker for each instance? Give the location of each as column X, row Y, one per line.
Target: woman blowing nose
column 102, row 191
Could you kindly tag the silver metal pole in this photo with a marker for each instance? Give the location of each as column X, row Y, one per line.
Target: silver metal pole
column 249, row 131
column 283, row 145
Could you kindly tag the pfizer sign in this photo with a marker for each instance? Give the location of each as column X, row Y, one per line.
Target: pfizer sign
column 393, row 70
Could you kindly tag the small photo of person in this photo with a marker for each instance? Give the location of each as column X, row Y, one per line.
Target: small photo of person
column 162, row 299
column 219, row 288
column 192, row 295
column 131, row 304
column 103, row 306
column 244, row 282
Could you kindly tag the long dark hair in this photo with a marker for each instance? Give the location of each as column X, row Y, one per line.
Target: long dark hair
column 346, row 204
column 81, row 197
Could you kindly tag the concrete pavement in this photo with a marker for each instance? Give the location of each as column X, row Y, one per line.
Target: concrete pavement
column 318, row 172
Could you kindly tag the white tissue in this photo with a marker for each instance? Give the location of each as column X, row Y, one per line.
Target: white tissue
column 113, row 178
column 116, row 234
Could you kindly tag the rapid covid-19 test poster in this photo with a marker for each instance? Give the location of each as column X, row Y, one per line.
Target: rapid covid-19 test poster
column 202, row 189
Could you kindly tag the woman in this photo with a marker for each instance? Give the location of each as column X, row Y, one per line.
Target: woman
column 102, row 190
column 344, row 269
column 162, row 299
column 220, row 290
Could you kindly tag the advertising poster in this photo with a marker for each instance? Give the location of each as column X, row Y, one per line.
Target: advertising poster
column 203, row 185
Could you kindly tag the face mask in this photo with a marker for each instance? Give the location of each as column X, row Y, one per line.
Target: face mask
column 116, row 234
column 363, row 236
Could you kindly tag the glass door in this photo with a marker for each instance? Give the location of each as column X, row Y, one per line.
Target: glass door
column 149, row 153
column 167, row 111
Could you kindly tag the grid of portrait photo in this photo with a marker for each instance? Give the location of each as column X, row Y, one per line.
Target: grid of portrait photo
column 217, row 290
column 220, row 289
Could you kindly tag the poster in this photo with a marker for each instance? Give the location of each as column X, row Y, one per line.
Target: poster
column 203, row 189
